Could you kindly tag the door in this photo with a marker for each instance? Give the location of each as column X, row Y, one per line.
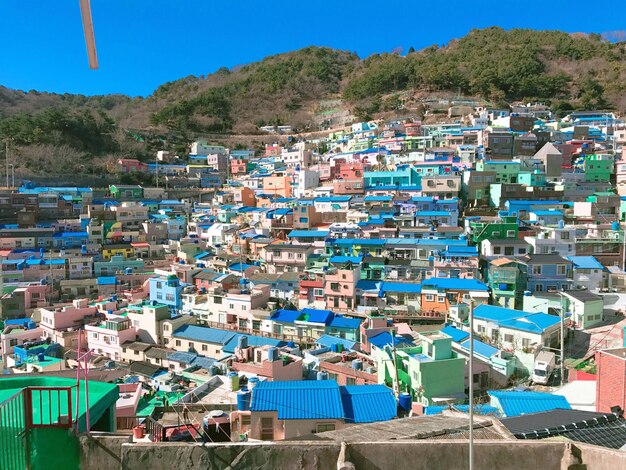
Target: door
column 267, row 429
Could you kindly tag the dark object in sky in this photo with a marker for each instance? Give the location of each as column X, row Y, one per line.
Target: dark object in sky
column 90, row 39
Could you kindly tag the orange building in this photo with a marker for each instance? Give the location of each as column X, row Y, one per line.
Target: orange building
column 277, row 185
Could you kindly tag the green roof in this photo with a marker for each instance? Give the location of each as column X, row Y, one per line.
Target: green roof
column 101, row 397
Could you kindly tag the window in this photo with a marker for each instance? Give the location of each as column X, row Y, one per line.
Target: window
column 166, row 327
column 537, row 270
column 159, row 285
column 430, row 297
column 564, row 235
column 318, row 292
column 508, row 338
column 441, row 298
column 169, row 297
column 322, row 427
column 510, row 233
column 508, row 250
column 245, row 420
column 178, row 343
column 231, row 306
column 290, row 255
column 522, row 251
column 561, row 269
column 159, row 295
column 497, row 250
column 350, row 381
column 495, row 234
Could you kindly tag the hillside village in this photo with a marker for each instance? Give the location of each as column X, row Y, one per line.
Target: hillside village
column 391, row 272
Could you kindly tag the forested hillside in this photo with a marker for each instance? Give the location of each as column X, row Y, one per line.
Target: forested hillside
column 59, row 133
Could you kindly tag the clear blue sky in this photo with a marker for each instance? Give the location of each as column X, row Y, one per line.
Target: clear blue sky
column 143, row 43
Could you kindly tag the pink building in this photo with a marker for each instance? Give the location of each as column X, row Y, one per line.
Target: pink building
column 126, row 405
column 340, row 288
column 106, row 338
column 127, row 165
column 61, row 324
column 344, row 373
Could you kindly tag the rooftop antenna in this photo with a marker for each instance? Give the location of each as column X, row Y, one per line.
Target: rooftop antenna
column 90, row 39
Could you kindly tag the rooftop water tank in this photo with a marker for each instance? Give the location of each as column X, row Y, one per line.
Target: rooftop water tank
column 322, row 375
column 615, row 226
column 252, row 382
column 242, row 342
column 357, row 364
column 405, row 401
column 233, row 379
column 243, row 399
column 272, row 354
column 561, row 224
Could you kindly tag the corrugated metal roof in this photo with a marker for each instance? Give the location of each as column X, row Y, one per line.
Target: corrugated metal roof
column 206, row 335
column 454, row 333
column 345, row 322
column 520, row 403
column 368, row 403
column 480, row 348
column 299, row 399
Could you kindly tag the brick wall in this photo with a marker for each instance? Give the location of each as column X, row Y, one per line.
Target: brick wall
column 611, row 373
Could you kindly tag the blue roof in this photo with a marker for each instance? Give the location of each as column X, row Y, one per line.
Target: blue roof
column 454, row 333
column 106, row 281
column 340, row 321
column 453, row 283
column 496, row 314
column 544, row 213
column 333, row 199
column 285, row 316
column 585, row 262
column 384, row 339
column 480, row 348
column 407, row 287
column 203, row 334
column 318, row 316
column 482, row 409
column 183, row 357
column 254, row 341
column 299, row 399
column 516, row 319
column 368, row 403
column 308, row 233
column 377, row 198
column 204, row 254
column 240, row 266
column 535, row 323
column 519, row 403
column 345, row 259
column 358, row 241
column 328, row 340
column 433, row 213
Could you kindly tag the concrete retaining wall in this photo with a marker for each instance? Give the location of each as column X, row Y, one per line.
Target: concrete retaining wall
column 110, row 453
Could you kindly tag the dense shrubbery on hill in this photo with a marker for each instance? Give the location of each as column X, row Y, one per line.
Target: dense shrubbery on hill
column 569, row 71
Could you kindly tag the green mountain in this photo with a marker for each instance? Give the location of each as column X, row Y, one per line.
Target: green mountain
column 54, row 133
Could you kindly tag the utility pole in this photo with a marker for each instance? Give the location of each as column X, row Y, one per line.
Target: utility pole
column 562, row 339
column 471, row 384
column 6, row 159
